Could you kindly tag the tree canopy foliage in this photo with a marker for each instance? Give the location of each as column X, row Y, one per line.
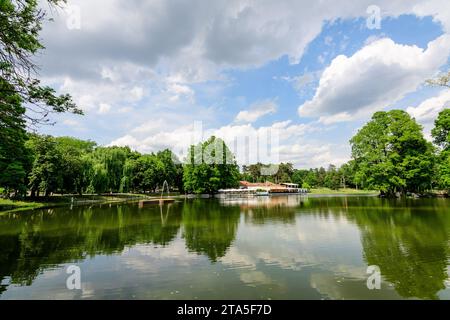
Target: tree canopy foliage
column 392, row 155
column 441, row 136
column 24, row 101
column 210, row 166
column 20, row 24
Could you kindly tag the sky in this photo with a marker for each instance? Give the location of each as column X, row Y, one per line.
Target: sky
column 153, row 74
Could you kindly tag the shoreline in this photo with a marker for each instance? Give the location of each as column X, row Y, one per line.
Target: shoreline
column 13, row 206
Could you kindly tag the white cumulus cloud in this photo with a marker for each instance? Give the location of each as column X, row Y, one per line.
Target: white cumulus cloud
column 256, row 111
column 376, row 76
column 429, row 109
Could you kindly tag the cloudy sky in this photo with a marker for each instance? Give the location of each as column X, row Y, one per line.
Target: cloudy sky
column 146, row 73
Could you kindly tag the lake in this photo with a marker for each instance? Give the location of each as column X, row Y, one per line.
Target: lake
column 280, row 247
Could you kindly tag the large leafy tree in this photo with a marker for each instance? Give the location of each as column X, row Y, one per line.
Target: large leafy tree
column 441, row 136
column 173, row 170
column 108, row 166
column 347, row 174
column 13, row 154
column 20, row 24
column 392, row 155
column 23, row 99
column 441, row 130
column 74, row 163
column 46, row 171
column 332, row 178
column 282, row 172
column 210, row 166
column 149, row 172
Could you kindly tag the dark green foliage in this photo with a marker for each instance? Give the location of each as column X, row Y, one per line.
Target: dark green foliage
column 20, row 24
column 145, row 173
column 441, row 136
column 255, row 172
column 210, row 166
column 441, row 131
column 14, row 158
column 23, row 100
column 46, row 172
column 392, row 155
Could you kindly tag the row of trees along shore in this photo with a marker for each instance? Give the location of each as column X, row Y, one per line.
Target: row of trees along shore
column 390, row 154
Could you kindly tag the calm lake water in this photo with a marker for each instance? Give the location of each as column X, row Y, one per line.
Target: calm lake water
column 282, row 247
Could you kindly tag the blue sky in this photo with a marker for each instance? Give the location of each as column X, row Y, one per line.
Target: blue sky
column 146, row 72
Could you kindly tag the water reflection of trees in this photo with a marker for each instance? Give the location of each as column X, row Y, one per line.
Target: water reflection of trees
column 32, row 242
column 408, row 239
column 259, row 210
column 409, row 244
column 208, row 228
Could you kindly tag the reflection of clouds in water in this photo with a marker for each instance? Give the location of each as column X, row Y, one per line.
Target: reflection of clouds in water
column 236, row 259
column 257, row 202
column 87, row 290
column 50, row 284
column 255, row 278
column 310, row 241
column 338, row 287
column 149, row 258
column 324, row 243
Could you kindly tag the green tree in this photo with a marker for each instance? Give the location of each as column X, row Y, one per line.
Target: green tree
column 332, row 178
column 284, row 173
column 20, row 24
column 46, row 171
column 299, row 176
column 252, row 172
column 74, row 164
column 127, row 183
column 441, row 130
column 209, row 167
column 347, row 174
column 113, row 161
column 441, row 136
column 311, row 178
column 392, row 155
column 14, row 157
column 173, row 170
column 98, row 177
column 149, row 172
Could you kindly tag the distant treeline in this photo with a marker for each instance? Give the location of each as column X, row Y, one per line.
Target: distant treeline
column 42, row 165
column 331, row 177
column 68, row 165
column 389, row 154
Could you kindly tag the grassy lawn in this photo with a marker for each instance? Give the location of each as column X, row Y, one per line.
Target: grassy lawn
column 341, row 191
column 7, row 205
column 12, row 205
